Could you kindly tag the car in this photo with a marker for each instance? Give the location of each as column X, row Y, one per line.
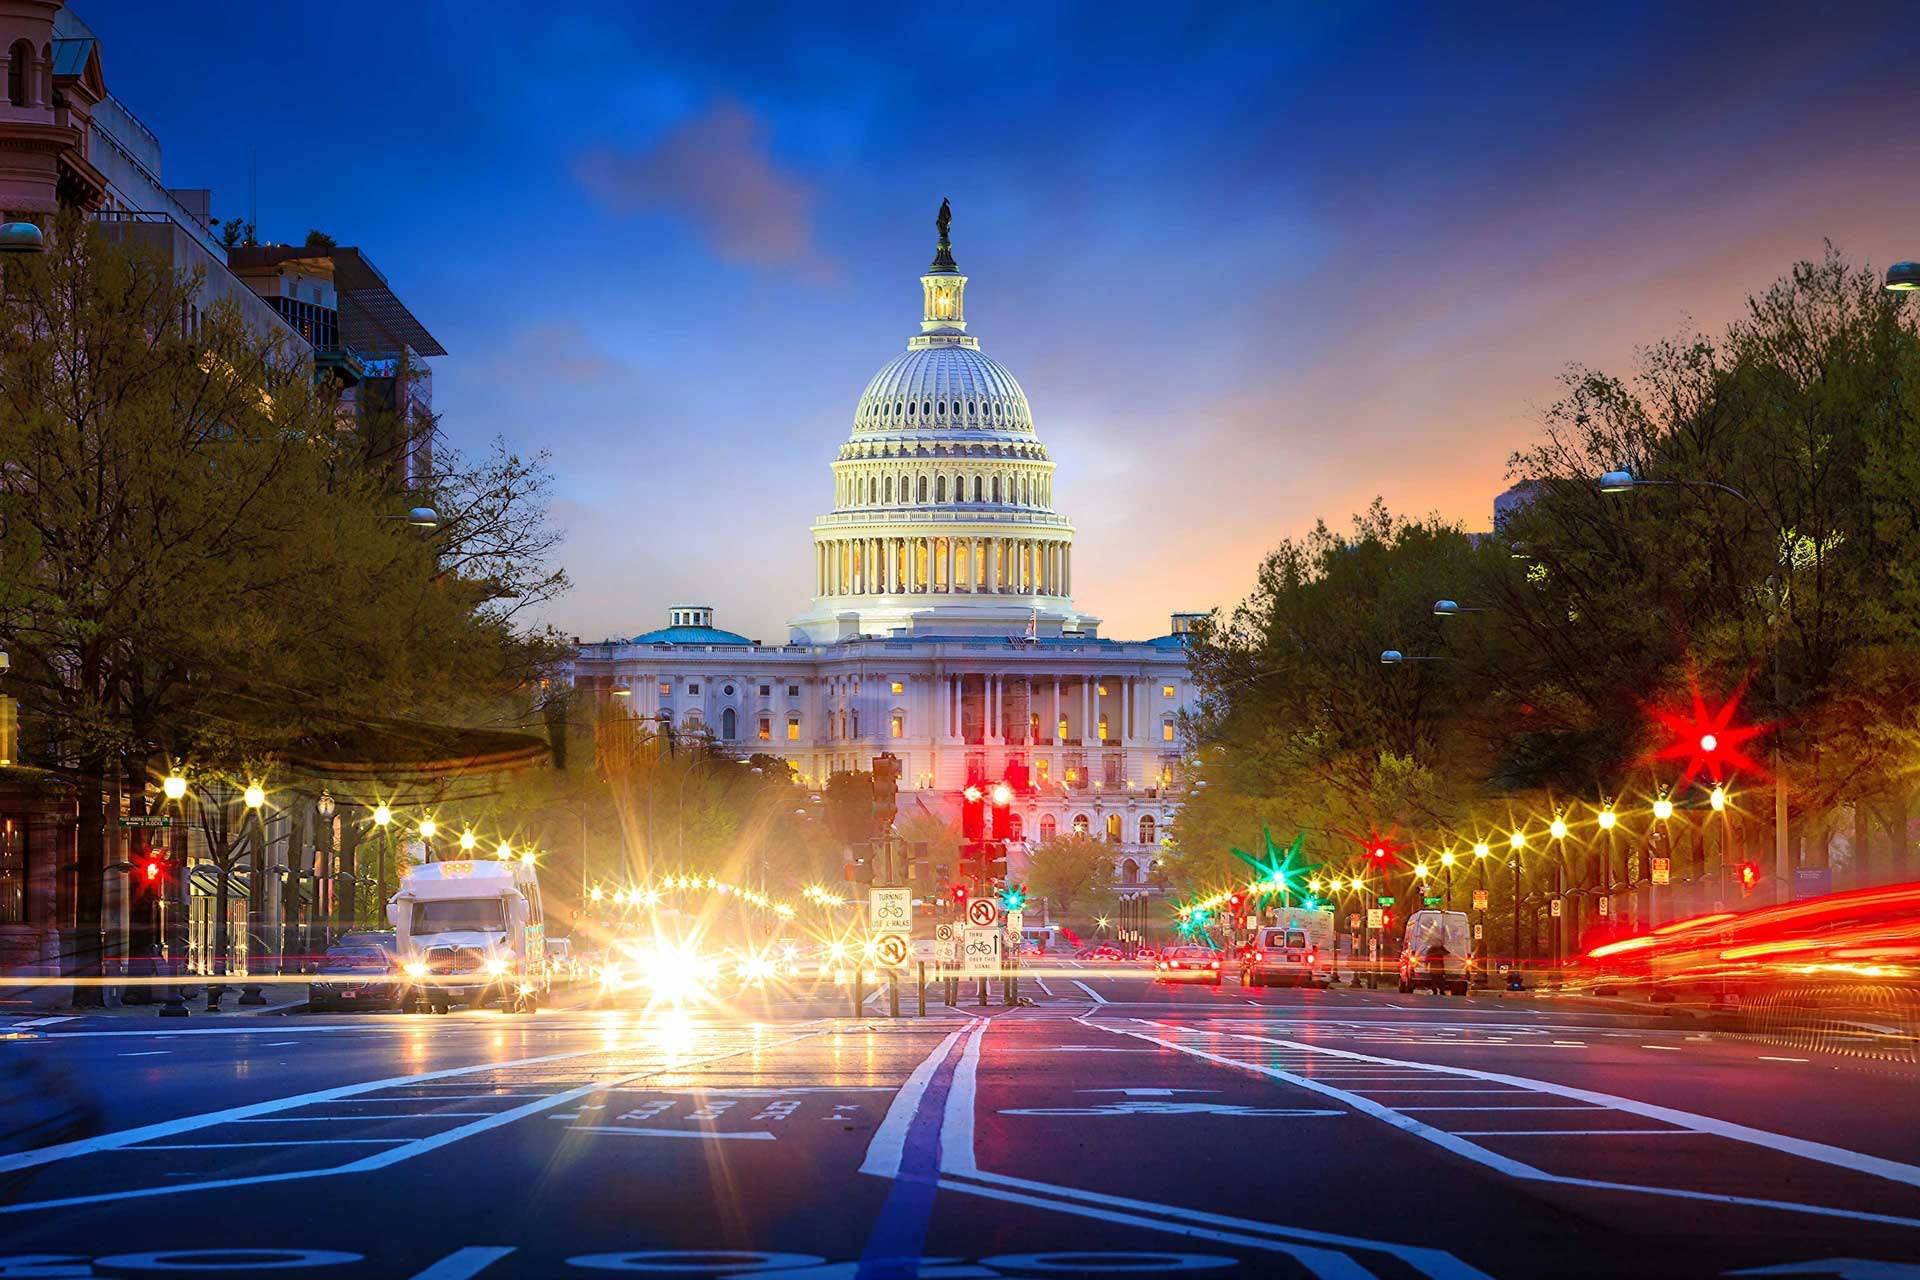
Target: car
column 1189, row 964
column 358, row 974
column 1298, row 953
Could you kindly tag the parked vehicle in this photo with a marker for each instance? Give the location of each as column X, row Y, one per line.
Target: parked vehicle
column 1296, row 952
column 1437, row 952
column 471, row 932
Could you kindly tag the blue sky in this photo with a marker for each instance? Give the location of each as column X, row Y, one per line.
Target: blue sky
column 1253, row 266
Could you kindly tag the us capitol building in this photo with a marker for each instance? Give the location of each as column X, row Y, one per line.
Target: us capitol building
column 943, row 626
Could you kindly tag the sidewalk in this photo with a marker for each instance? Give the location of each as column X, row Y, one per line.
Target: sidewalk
column 23, row 1004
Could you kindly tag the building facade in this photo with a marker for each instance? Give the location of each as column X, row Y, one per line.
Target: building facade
column 942, row 627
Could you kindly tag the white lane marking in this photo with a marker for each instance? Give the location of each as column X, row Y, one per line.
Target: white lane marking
column 368, row 1164
column 464, row 1264
column 1767, row 1057
column 43, row 1022
column 1043, row 986
column 1097, row 997
column 1525, row 1172
column 1431, row 1262
column 278, row 1044
column 1664, row 1048
column 1574, row 1133
column 187, row 1124
column 1529, row 1107
column 956, row 1126
column 890, row 1139
column 397, row 1115
column 313, row 1029
column 234, row 1146
column 146, row 1053
column 758, row 1135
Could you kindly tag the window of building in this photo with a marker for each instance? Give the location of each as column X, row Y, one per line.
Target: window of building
column 793, row 691
column 13, row 871
column 1166, row 730
column 765, row 689
column 1063, row 728
column 896, row 725
column 793, row 728
column 1048, row 827
column 855, row 731
column 694, row 689
column 666, row 688
column 940, row 489
column 729, row 691
column 1129, row 872
column 1148, row 829
column 1016, row 829
column 729, row 725
column 766, row 728
column 19, row 72
column 1166, row 691
column 1040, row 769
column 923, row 488
column 897, row 687
column 1100, row 689
column 1113, row 828
column 1081, row 824
column 1166, row 775
column 1033, row 726
column 1102, row 728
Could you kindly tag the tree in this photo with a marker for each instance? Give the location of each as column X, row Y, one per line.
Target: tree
column 1072, row 872
column 193, row 567
column 318, row 240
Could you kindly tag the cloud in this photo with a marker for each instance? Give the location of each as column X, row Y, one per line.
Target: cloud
column 715, row 173
column 562, row 353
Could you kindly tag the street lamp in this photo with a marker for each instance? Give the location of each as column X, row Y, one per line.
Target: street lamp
column 1453, row 608
column 468, row 841
column 173, row 786
column 423, row 518
column 1393, row 658
column 1903, row 277
column 254, row 796
column 21, row 237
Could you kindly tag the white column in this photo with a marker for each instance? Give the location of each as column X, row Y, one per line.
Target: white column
column 1087, row 733
column 951, row 561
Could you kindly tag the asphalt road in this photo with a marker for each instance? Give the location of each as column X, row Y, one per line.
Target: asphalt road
column 1115, row 1127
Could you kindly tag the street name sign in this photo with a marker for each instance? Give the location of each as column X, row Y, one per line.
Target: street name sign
column 1432, row 901
column 890, row 910
column 1479, row 899
column 1385, row 900
column 980, row 955
column 892, row 950
column 152, row 820
column 982, row 913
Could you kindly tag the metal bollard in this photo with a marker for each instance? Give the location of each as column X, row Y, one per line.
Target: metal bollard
column 859, row 991
column 893, row 996
column 923, row 991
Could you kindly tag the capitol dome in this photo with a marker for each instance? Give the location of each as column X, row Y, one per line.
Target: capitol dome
column 943, row 518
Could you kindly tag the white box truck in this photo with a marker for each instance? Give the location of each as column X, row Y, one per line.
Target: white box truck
column 471, row 932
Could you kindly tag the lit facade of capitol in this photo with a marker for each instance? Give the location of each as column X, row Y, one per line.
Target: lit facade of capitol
column 942, row 627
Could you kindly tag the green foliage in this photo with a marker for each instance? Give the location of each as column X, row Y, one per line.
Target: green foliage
column 1072, row 872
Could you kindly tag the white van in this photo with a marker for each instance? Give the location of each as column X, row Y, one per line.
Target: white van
column 1297, row 951
column 472, row 932
column 1438, row 952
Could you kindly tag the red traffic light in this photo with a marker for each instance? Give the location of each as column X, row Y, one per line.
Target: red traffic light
column 1379, row 853
column 1002, row 795
column 972, row 794
column 1749, row 876
column 153, row 869
column 959, row 893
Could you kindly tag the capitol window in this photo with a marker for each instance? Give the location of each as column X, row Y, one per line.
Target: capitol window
column 897, row 687
column 1103, row 728
column 693, row 688
column 1166, row 730
column 765, row 689
column 666, row 689
column 793, row 728
column 793, row 691
column 1166, row 691
column 896, row 725
column 1080, row 824
column 1040, row 769
column 1047, row 825
column 766, row 728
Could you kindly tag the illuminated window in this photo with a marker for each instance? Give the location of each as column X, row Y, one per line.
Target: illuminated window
column 1166, row 691
column 1100, row 689
column 1166, row 731
column 1081, row 825
column 1113, row 828
column 896, row 726
column 666, row 689
column 766, row 728
column 1040, row 768
column 1016, row 829
column 1063, row 726
column 793, row 728
column 1047, row 825
column 1103, row 728
column 897, row 687
column 1166, row 775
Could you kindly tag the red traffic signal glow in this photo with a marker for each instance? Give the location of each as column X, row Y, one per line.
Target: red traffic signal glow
column 1749, row 875
column 1707, row 739
column 153, row 869
column 973, row 794
column 1002, row 794
column 959, row 893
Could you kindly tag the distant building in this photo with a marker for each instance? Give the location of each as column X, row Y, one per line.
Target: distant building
column 943, row 627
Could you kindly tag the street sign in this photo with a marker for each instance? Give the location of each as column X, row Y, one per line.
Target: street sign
column 1479, row 932
column 1385, row 900
column 1353, row 920
column 1606, row 908
column 980, row 955
column 1479, row 899
column 982, row 913
column 1432, row 900
column 152, row 820
column 946, row 944
column 890, row 910
column 1376, row 918
column 1556, row 907
column 1014, row 920
column 1662, row 870
column 892, row 950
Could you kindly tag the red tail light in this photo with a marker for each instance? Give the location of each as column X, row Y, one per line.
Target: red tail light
column 1216, row 964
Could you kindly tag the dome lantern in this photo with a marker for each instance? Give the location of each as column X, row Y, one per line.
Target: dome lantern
column 945, row 289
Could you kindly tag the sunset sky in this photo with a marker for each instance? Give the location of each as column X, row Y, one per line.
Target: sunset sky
column 1252, row 267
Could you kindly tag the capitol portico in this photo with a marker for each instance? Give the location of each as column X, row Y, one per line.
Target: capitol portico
column 942, row 626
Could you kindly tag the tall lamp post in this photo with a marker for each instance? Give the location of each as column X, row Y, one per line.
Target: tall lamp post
column 1623, row 481
column 328, row 854
column 255, row 799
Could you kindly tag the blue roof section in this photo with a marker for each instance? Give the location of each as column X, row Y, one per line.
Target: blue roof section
column 690, row 635
column 1169, row 641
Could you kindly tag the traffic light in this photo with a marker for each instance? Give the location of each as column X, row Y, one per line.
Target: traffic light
column 886, row 787
column 973, row 815
column 1378, row 853
column 1749, row 876
column 993, row 860
column 1002, row 797
column 149, row 872
column 1013, row 897
column 959, row 895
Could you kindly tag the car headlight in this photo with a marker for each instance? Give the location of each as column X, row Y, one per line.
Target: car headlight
column 497, row 967
column 416, row 968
